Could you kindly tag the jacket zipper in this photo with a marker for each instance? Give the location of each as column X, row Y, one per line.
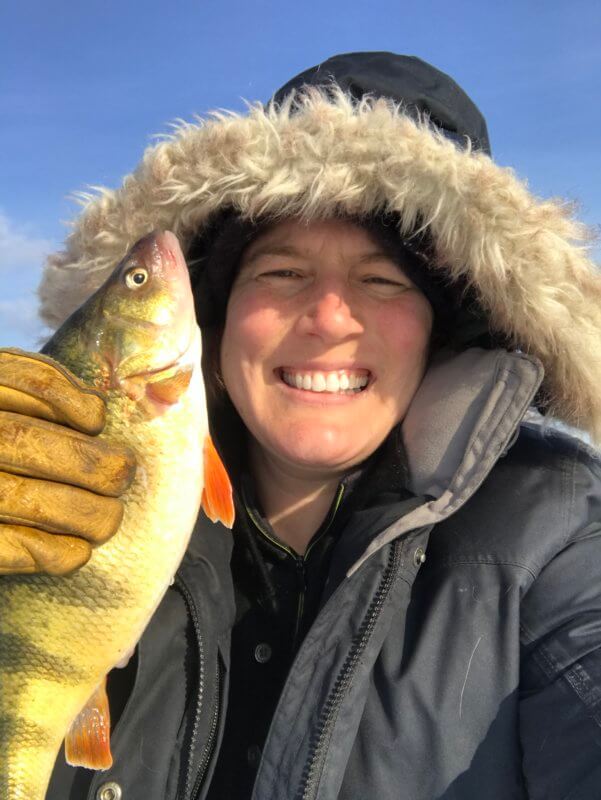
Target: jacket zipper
column 210, row 745
column 319, row 741
column 301, row 560
column 300, row 607
column 258, row 525
column 188, row 794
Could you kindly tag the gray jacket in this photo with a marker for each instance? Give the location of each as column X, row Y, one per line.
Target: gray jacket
column 457, row 654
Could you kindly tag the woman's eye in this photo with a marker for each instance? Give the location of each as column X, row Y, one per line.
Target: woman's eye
column 379, row 280
column 280, row 273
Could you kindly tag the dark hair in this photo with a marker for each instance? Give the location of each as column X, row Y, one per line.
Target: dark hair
column 214, row 259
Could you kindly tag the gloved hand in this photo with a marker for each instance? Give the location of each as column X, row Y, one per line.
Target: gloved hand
column 59, row 483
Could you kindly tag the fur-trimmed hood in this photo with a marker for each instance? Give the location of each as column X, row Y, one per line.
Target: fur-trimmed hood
column 321, row 154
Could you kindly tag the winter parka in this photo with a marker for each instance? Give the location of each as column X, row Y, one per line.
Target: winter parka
column 457, row 650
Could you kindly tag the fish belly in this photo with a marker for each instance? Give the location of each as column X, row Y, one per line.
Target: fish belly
column 59, row 637
column 29, row 743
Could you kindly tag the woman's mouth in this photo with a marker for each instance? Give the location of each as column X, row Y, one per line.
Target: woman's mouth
column 340, row 381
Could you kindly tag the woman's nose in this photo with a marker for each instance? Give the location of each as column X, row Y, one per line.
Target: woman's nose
column 330, row 314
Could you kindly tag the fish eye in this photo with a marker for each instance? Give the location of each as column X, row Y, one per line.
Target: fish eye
column 136, row 277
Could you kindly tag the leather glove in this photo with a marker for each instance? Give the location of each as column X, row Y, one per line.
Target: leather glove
column 59, row 483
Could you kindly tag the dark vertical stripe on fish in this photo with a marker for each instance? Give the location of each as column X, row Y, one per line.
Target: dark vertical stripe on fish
column 85, row 589
column 24, row 732
column 18, row 654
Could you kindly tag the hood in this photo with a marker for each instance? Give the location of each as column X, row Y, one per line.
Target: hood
column 321, row 151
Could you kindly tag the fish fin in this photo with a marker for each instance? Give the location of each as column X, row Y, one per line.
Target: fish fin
column 217, row 495
column 134, row 388
column 169, row 390
column 87, row 743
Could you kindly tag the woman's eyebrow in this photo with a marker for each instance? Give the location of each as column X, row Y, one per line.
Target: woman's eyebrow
column 267, row 249
column 378, row 255
column 271, row 250
column 382, row 255
column 289, row 250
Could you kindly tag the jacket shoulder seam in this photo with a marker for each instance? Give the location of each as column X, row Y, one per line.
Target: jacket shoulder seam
column 491, row 562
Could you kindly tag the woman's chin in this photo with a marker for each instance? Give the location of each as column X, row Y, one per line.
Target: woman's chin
column 324, row 458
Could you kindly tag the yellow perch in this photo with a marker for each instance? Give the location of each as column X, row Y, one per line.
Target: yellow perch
column 136, row 341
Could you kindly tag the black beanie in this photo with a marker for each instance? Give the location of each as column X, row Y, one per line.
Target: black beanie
column 422, row 90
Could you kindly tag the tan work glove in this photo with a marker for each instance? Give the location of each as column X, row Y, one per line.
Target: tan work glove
column 59, row 483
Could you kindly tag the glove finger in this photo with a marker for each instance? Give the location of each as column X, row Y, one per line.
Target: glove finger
column 33, row 384
column 42, row 449
column 25, row 551
column 58, row 508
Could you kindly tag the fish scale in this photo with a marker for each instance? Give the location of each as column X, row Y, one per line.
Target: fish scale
column 61, row 635
column 94, row 618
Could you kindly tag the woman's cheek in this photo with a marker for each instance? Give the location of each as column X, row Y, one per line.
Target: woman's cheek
column 251, row 331
column 406, row 330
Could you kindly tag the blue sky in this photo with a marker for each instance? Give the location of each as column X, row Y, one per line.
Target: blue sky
column 84, row 86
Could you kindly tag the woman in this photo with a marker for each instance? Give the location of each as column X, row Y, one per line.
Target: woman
column 409, row 605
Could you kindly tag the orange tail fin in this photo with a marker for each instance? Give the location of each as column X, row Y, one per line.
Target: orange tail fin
column 217, row 496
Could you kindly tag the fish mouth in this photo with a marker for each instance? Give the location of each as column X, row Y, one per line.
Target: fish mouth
column 171, row 366
column 186, row 358
column 118, row 372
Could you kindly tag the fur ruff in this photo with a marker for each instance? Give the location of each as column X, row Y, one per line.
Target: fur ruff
column 321, row 156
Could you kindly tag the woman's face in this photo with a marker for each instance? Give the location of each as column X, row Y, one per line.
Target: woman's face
column 325, row 344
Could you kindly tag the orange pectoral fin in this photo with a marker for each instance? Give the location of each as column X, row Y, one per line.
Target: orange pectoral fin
column 217, row 496
column 169, row 390
column 87, row 743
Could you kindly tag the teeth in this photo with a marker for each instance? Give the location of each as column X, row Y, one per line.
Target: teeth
column 332, row 382
column 319, row 383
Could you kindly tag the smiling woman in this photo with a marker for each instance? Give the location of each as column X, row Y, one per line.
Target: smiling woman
column 313, row 305
column 408, row 607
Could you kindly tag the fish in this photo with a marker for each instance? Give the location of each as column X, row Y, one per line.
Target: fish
column 136, row 343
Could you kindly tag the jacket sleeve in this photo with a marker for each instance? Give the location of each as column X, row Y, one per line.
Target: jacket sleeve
column 560, row 684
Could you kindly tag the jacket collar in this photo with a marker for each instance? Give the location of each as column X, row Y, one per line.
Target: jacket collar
column 463, row 418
